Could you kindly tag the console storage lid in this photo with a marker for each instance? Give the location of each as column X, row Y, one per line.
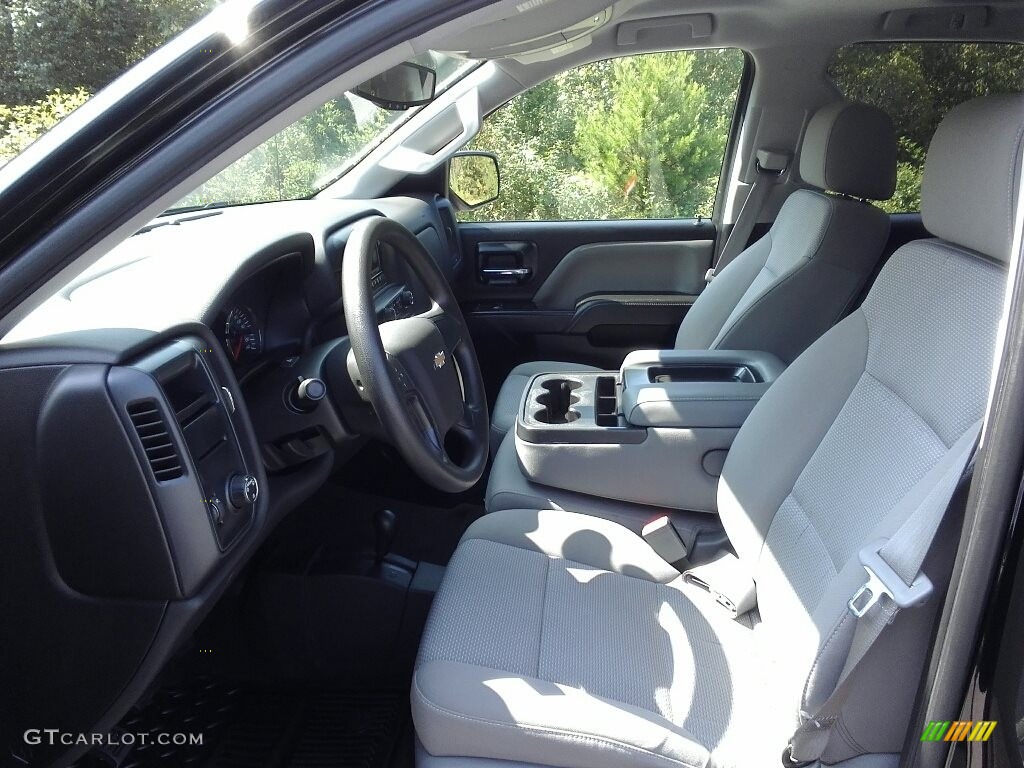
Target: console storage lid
column 694, row 388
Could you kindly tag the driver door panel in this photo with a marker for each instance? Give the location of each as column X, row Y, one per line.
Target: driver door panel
column 581, row 291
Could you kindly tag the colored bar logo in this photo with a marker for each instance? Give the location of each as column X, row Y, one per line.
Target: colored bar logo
column 959, row 730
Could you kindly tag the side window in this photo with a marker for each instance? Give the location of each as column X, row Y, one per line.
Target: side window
column 917, row 84
column 639, row 137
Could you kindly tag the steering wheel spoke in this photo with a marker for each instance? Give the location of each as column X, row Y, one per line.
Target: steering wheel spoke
column 451, row 330
column 468, row 424
column 428, row 429
column 400, row 377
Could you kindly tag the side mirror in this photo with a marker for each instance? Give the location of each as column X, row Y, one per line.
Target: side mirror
column 473, row 179
column 404, row 86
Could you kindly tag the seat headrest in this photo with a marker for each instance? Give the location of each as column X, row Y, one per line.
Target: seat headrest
column 972, row 175
column 850, row 148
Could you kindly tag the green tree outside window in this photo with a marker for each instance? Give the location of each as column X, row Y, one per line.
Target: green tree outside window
column 631, row 138
column 917, row 84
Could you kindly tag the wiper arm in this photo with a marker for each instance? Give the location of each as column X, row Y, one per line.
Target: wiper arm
column 175, row 222
column 190, row 208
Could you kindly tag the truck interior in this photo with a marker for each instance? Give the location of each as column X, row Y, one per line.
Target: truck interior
column 460, row 460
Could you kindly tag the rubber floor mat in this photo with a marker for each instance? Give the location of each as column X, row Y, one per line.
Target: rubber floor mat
column 252, row 728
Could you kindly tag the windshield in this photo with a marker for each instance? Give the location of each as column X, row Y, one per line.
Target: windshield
column 317, row 149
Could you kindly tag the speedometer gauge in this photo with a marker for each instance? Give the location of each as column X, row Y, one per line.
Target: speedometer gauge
column 242, row 336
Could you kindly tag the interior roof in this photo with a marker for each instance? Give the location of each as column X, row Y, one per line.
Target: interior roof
column 814, row 27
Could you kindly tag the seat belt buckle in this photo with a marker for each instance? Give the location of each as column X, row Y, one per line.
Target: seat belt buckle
column 883, row 580
column 665, row 541
column 709, row 275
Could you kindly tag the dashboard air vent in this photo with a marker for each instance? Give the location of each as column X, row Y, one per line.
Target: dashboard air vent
column 156, row 440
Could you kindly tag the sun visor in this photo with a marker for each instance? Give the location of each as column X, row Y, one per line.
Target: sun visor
column 538, row 29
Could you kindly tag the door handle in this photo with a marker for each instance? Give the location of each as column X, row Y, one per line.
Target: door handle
column 508, row 263
column 518, row 274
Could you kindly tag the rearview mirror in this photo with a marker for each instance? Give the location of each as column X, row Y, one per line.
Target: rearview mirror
column 403, row 86
column 473, row 179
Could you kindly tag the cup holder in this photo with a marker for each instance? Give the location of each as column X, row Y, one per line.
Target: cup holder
column 557, row 400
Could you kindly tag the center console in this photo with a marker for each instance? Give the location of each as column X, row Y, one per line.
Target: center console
column 654, row 432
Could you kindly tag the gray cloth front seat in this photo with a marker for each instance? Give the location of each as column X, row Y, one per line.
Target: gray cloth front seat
column 793, row 284
column 561, row 639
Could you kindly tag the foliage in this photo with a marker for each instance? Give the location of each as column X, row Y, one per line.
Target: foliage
column 637, row 137
column 660, row 139
column 289, row 164
column 49, row 45
column 473, row 178
column 20, row 125
column 917, row 84
column 55, row 53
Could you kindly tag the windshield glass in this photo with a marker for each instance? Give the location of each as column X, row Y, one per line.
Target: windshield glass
column 317, row 149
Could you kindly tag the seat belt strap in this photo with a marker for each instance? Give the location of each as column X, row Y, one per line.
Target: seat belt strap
column 894, row 582
column 770, row 165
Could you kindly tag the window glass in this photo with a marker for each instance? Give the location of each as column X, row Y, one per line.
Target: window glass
column 637, row 137
column 318, row 149
column 54, row 54
column 917, row 84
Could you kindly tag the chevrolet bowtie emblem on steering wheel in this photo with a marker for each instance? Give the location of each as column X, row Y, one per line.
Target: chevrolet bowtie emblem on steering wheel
column 439, row 360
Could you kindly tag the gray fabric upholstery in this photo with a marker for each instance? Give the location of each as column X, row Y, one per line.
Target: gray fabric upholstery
column 846, row 431
column 503, row 416
column 792, row 285
column 579, row 690
column 850, row 148
column 849, row 428
column 971, row 179
column 558, row 639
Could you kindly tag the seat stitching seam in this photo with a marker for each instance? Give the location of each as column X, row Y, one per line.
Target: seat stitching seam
column 889, row 388
column 805, row 262
column 543, row 608
column 1015, row 145
column 821, row 654
column 824, row 434
column 771, row 244
column 569, row 735
column 847, row 736
column 564, row 559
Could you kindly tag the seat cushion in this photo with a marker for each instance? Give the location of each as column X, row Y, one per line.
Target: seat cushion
column 600, row 656
column 511, row 393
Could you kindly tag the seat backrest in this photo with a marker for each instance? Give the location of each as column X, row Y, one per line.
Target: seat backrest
column 860, row 418
column 797, row 281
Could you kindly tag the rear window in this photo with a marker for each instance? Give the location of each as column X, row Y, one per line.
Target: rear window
column 917, row 84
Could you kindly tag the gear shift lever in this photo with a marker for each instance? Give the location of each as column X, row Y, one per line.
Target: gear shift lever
column 384, row 527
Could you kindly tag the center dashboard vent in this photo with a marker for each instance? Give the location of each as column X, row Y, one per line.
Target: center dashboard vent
column 156, row 440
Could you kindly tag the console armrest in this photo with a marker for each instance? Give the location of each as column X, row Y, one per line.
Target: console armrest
column 698, row 388
column 766, row 366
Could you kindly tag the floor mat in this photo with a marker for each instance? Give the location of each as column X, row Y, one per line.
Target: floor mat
column 252, row 728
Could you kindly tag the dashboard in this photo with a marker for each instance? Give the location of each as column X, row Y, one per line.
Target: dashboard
column 156, row 429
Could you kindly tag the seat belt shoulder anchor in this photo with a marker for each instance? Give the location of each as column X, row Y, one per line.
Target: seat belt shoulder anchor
column 883, row 580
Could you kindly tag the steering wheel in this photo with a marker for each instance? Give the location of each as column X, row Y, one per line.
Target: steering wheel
column 420, row 373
